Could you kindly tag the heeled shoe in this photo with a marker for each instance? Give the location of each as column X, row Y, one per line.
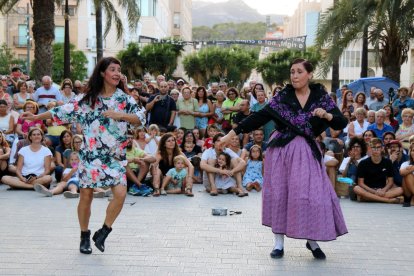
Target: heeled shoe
column 100, row 236
column 277, row 253
column 85, row 243
column 317, row 253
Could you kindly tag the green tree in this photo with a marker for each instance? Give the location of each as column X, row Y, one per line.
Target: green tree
column 158, row 58
column 387, row 24
column 230, row 31
column 233, row 64
column 78, row 63
column 132, row 64
column 43, row 32
column 8, row 60
column 275, row 67
column 112, row 16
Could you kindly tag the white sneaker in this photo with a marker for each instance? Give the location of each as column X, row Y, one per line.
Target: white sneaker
column 42, row 189
column 69, row 194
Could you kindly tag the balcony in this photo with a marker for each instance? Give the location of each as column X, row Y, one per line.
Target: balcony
column 20, row 41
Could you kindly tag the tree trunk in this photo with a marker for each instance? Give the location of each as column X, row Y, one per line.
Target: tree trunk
column 364, row 55
column 99, row 38
column 335, row 68
column 43, row 34
column 392, row 70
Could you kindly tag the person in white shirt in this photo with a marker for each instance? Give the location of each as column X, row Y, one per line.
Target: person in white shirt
column 33, row 164
column 208, row 165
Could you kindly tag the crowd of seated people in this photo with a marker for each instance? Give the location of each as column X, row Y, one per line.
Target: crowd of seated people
column 179, row 146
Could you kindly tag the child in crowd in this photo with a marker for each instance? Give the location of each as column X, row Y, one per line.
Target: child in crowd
column 179, row 134
column 253, row 177
column 224, row 182
column 152, row 139
column 199, row 142
column 174, row 181
column 211, row 131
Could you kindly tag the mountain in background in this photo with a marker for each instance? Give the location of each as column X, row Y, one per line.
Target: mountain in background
column 236, row 11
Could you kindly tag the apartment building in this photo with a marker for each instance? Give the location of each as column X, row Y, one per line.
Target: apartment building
column 159, row 19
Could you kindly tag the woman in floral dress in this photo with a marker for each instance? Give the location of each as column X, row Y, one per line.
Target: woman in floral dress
column 104, row 113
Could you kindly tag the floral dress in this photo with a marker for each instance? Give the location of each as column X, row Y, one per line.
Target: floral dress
column 103, row 153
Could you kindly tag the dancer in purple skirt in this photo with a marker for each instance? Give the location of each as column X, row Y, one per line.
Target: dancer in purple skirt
column 298, row 198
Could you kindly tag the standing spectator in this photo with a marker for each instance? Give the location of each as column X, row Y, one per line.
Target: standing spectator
column 402, row 102
column 175, row 95
column 380, row 127
column 47, row 93
column 214, row 88
column 205, row 110
column 162, row 108
column 180, row 84
column 261, row 102
column 231, row 105
column 21, row 96
column 223, row 87
column 187, row 107
column 171, row 85
column 375, row 177
column 218, row 116
column 379, row 103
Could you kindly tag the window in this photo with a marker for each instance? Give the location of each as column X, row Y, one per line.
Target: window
column 22, row 37
column 71, row 10
column 176, row 20
column 148, row 7
column 59, row 34
column 351, row 59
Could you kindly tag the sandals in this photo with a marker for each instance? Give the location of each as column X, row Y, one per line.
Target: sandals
column 156, row 192
column 163, row 192
column 188, row 192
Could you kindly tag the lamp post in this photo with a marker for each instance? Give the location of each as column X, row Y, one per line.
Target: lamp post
column 28, row 40
column 66, row 55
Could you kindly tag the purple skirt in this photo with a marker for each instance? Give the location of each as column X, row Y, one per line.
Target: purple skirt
column 298, row 198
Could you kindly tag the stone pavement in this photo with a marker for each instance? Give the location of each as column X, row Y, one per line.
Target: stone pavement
column 177, row 235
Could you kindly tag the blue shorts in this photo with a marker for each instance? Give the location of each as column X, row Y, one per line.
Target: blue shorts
column 72, row 182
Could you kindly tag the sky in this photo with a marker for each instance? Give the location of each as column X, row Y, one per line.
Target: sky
column 285, row 7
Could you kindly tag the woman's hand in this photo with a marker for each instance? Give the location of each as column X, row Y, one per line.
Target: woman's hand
column 28, row 116
column 112, row 114
column 321, row 113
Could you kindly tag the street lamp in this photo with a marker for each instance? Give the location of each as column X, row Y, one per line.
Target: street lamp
column 66, row 49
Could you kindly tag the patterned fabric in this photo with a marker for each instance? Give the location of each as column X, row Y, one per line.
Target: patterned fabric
column 253, row 172
column 102, row 156
column 201, row 122
column 298, row 198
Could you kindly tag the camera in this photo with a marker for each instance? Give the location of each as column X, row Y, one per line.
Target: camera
column 391, row 94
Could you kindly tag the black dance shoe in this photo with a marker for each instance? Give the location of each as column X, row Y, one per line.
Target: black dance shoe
column 317, row 253
column 85, row 243
column 277, row 253
column 100, row 236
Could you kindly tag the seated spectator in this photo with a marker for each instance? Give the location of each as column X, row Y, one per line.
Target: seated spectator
column 406, row 129
column 387, row 137
column 253, row 177
column 380, row 102
column 367, row 136
column 47, row 93
column 224, row 182
column 357, row 150
column 75, row 146
column 139, row 141
column 331, row 163
column 334, row 140
column 33, row 164
column 407, row 172
column 395, row 153
column 54, row 129
column 389, row 117
column 357, row 127
column 24, row 125
column 152, row 139
column 65, row 142
column 208, row 140
column 167, row 150
column 6, row 122
column 258, row 139
column 379, row 127
column 244, row 112
column 402, row 102
column 4, row 155
column 371, row 117
column 67, row 91
column 200, row 141
column 236, row 147
column 174, row 180
column 209, row 162
column 348, row 102
column 375, row 177
column 359, row 101
column 193, row 153
column 4, row 96
column 179, row 134
column 138, row 166
column 20, row 98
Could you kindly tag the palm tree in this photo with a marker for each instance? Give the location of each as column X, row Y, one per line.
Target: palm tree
column 389, row 25
column 133, row 15
column 43, row 33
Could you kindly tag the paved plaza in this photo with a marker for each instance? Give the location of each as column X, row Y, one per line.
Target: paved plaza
column 177, row 235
